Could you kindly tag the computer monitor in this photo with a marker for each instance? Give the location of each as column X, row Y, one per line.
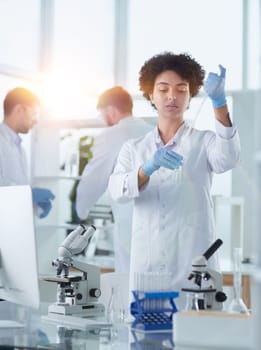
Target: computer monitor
column 18, row 258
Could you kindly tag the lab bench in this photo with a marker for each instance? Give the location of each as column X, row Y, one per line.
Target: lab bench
column 37, row 333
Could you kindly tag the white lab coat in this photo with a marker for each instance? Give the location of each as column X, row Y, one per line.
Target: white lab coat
column 173, row 220
column 95, row 179
column 13, row 164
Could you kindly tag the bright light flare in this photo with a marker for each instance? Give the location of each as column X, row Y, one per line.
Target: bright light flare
column 64, row 97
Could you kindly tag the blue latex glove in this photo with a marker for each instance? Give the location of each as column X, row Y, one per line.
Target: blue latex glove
column 42, row 197
column 162, row 157
column 215, row 87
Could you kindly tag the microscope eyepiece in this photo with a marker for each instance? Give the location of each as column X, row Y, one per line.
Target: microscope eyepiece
column 211, row 250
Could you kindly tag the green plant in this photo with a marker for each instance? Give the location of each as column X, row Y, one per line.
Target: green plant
column 85, row 155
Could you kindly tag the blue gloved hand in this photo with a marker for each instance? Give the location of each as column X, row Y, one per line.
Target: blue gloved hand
column 42, row 197
column 162, row 157
column 46, row 207
column 215, row 87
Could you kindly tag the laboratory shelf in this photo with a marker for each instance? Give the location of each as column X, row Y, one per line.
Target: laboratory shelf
column 56, row 177
column 72, row 123
column 70, row 226
column 47, row 227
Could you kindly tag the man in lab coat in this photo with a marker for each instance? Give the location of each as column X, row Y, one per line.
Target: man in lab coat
column 115, row 105
column 21, row 108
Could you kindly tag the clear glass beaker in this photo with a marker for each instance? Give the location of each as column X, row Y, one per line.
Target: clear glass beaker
column 116, row 311
column 192, row 301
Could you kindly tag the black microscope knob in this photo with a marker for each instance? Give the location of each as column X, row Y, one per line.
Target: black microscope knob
column 95, row 292
column 79, row 296
column 221, row 297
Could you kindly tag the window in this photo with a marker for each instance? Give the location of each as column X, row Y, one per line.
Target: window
column 254, row 47
column 202, row 28
column 20, row 33
column 82, row 58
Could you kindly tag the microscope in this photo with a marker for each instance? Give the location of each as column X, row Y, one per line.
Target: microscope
column 77, row 295
column 206, row 290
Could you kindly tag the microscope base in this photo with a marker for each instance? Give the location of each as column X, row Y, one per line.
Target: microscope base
column 88, row 310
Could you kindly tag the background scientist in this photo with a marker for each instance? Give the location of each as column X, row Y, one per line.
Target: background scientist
column 115, row 105
column 172, row 219
column 21, row 110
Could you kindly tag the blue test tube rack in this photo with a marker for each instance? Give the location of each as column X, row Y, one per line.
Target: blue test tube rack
column 153, row 310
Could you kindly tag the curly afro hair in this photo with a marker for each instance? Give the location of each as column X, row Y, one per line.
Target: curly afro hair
column 183, row 64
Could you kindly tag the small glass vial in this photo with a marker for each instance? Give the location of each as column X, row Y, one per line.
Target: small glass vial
column 191, row 301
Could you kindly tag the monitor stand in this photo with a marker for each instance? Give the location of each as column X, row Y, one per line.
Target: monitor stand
column 10, row 324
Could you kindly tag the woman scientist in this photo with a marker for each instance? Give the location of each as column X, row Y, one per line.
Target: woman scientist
column 172, row 219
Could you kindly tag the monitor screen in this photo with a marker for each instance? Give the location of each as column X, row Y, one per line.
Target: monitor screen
column 18, row 258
